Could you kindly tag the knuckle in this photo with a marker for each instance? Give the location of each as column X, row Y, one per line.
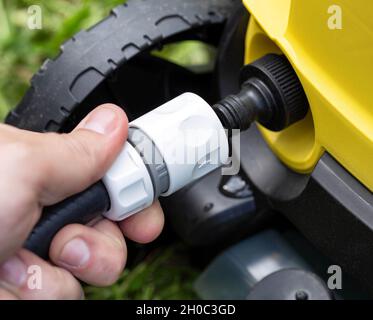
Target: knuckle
column 78, row 146
column 25, row 211
column 56, row 284
column 84, row 153
column 25, row 157
column 112, row 269
column 68, row 288
column 6, row 295
column 20, row 153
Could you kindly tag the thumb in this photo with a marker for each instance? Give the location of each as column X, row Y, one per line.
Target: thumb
column 70, row 163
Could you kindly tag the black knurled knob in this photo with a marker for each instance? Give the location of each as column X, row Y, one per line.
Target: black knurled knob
column 285, row 93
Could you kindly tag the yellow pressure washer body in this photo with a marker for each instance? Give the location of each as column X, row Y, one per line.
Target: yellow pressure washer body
column 330, row 46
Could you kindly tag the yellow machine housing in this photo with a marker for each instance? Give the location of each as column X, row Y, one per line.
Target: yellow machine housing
column 330, row 45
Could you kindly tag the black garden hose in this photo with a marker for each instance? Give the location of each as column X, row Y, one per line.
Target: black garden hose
column 81, row 208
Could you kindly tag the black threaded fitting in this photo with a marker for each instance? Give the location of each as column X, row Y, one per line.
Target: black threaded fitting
column 271, row 94
column 232, row 115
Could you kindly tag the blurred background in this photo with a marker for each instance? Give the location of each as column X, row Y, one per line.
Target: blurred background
column 163, row 270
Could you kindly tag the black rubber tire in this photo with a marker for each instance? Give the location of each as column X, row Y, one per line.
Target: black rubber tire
column 92, row 55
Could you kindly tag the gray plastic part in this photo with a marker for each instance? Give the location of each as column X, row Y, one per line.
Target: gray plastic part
column 234, row 273
column 153, row 160
column 266, row 171
column 291, row 284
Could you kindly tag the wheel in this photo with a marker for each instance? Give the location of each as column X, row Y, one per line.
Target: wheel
column 87, row 70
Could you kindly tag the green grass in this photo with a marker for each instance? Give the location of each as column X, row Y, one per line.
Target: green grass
column 164, row 274
column 23, row 50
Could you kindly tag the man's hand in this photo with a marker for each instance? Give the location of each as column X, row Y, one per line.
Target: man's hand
column 38, row 170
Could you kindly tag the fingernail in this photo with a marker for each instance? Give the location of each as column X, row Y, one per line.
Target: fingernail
column 75, row 253
column 103, row 120
column 13, row 271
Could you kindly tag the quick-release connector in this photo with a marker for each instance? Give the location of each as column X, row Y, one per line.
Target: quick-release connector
column 271, row 94
column 167, row 149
